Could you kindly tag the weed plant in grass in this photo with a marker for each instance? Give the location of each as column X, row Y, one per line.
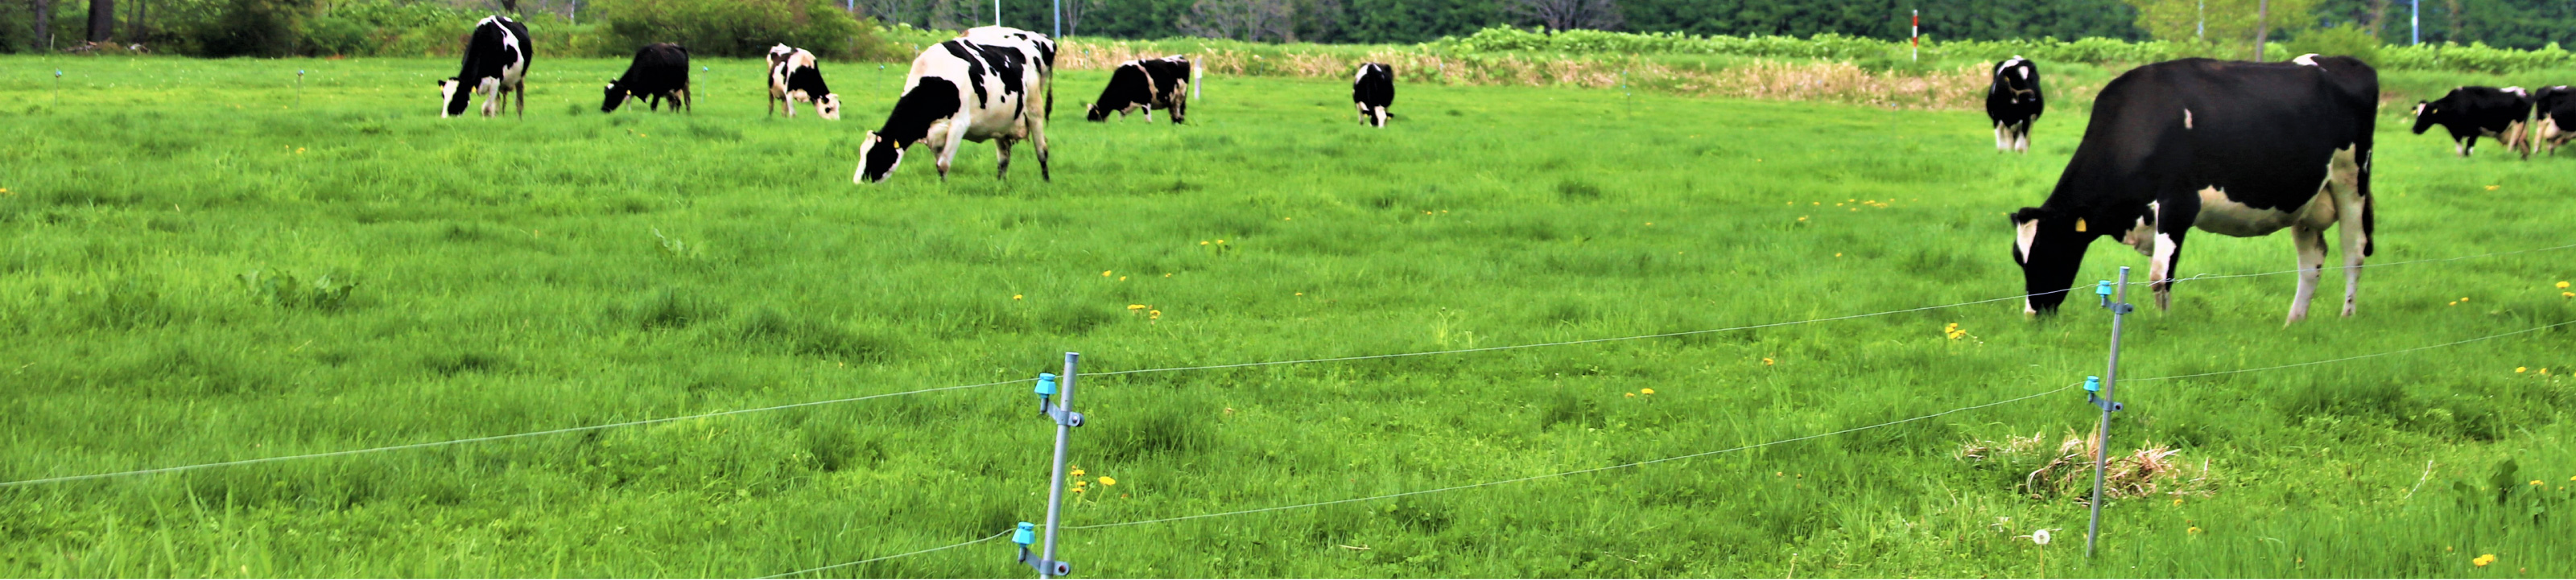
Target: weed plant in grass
column 198, row 269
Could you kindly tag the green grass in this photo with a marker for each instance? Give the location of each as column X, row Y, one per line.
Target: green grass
column 167, row 223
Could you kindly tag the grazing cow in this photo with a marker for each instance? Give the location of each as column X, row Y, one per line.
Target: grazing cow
column 2470, row 112
column 992, row 83
column 496, row 63
column 793, row 77
column 1372, row 90
column 660, row 71
column 2013, row 101
column 2236, row 148
column 2557, row 123
column 1160, row 83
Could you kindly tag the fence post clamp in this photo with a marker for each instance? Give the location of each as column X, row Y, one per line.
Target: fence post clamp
column 2093, row 393
column 1027, row 534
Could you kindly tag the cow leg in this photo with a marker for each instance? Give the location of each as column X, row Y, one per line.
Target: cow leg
column 520, row 93
column 2021, row 137
column 2343, row 179
column 2312, row 256
column 1180, row 104
column 1002, row 152
column 2003, row 137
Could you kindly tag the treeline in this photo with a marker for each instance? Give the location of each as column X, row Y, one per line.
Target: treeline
column 222, row 28
column 848, row 27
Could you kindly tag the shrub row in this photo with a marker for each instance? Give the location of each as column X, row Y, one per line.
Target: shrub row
column 2475, row 57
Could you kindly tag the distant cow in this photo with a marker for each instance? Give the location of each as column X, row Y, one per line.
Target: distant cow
column 496, row 63
column 2557, row 123
column 1159, row 83
column 2013, row 101
column 794, row 77
column 992, row 83
column 2236, row 148
column 660, row 72
column 1372, row 90
column 2471, row 112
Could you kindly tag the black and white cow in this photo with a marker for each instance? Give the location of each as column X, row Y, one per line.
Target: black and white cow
column 2013, row 101
column 2471, row 112
column 660, row 71
column 2236, row 148
column 1158, row 83
column 2557, row 123
column 496, row 63
column 1372, row 90
column 794, row 77
column 992, row 83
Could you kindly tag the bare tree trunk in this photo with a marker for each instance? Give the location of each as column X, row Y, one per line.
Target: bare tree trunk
column 44, row 22
column 2262, row 26
column 134, row 22
column 102, row 19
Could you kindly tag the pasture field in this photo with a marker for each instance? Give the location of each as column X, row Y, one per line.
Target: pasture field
column 200, row 265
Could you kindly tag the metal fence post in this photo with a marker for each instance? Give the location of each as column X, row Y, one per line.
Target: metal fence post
column 1065, row 420
column 2115, row 298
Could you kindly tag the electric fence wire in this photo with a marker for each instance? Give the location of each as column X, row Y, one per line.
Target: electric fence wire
column 883, row 558
column 1579, row 471
column 2205, row 276
column 1571, row 342
column 70, row 478
column 1819, row 435
column 487, row 438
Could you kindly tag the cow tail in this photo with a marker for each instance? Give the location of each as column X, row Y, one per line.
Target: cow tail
column 2369, row 225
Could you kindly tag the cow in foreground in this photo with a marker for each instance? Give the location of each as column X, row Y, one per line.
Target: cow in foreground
column 2472, row 112
column 660, row 72
column 2013, row 102
column 2557, row 123
column 1158, row 83
column 1372, row 90
column 496, row 63
column 2236, row 148
column 991, row 83
column 794, row 77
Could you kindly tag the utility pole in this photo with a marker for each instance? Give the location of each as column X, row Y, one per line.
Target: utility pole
column 2262, row 26
column 2414, row 22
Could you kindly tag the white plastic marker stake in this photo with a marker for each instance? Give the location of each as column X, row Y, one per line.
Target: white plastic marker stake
column 1917, row 37
column 299, row 87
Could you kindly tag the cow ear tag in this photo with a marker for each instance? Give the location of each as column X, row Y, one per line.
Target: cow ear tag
column 2079, row 224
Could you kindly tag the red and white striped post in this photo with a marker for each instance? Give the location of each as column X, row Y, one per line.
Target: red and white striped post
column 1917, row 38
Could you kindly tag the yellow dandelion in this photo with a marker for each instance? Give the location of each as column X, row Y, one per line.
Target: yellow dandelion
column 1202, row 242
column 1650, row 224
column 2561, row 283
column 1646, row 391
column 2491, row 188
column 1838, row 254
column 2194, row 529
column 2455, row 303
column 1154, row 314
column 2535, row 482
column 1766, row 361
column 1104, row 273
column 1285, row 219
column 1122, row 278
column 1078, row 489
column 1301, row 294
column 1135, row 307
column 2177, row 502
column 1080, row 483
column 1016, row 296
column 2563, row 294
column 2464, row 298
column 2484, row 560
column 1077, row 472
column 1107, row 480
column 2520, row 369
column 1802, row 218
column 1632, row 395
column 1220, row 241
column 1167, row 274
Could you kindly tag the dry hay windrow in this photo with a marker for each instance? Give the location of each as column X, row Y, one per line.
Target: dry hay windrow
column 1962, row 88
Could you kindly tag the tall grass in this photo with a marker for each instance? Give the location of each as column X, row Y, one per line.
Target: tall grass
column 169, row 225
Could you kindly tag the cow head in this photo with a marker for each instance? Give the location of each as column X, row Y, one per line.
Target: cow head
column 1095, row 113
column 2426, row 115
column 453, row 95
column 614, row 96
column 829, row 106
column 877, row 158
column 2049, row 245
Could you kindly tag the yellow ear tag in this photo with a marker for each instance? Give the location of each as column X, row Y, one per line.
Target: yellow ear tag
column 2079, row 224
